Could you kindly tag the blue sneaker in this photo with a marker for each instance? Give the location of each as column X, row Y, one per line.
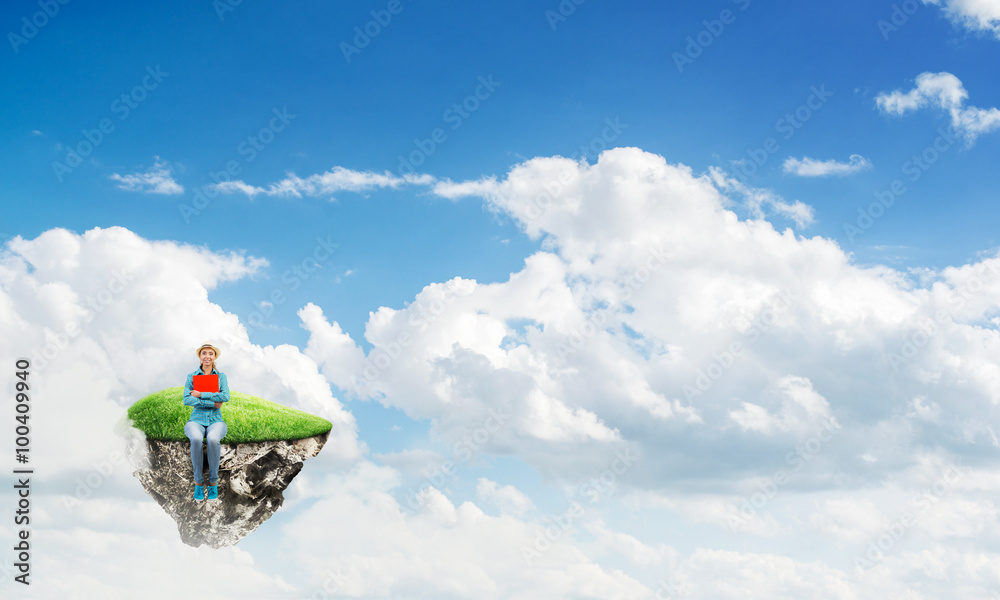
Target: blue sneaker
column 213, row 492
column 199, row 492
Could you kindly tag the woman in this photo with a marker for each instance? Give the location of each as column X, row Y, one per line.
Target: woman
column 206, row 422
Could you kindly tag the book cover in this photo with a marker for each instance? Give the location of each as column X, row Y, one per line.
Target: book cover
column 206, row 383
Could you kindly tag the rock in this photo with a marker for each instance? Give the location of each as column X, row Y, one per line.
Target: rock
column 252, row 477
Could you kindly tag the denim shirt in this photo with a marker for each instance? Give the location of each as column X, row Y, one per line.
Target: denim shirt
column 204, row 412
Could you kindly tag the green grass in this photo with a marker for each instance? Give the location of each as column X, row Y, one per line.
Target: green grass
column 162, row 415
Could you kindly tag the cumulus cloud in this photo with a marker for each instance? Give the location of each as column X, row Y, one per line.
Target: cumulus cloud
column 657, row 353
column 974, row 15
column 942, row 91
column 809, row 167
column 324, row 184
column 653, row 308
column 507, row 498
column 760, row 201
column 802, row 408
column 111, row 317
column 158, row 179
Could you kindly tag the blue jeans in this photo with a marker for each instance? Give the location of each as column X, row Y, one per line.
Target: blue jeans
column 213, row 433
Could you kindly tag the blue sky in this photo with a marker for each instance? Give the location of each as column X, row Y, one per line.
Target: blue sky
column 416, row 153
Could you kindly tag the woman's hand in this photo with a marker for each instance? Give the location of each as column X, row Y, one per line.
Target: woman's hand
column 218, row 404
column 196, row 394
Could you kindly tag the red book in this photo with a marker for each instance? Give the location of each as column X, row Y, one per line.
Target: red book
column 206, row 383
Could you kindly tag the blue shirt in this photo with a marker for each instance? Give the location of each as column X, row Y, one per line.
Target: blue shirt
column 204, row 412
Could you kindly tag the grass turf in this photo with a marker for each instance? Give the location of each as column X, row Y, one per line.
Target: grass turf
column 162, row 415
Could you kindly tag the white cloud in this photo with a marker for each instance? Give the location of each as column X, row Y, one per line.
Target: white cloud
column 975, row 15
column 507, row 498
column 653, row 318
column 158, row 179
column 946, row 92
column 625, row 322
column 324, row 184
column 109, row 317
column 756, row 199
column 802, row 409
column 809, row 167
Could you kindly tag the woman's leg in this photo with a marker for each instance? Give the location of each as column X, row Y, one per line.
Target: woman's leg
column 216, row 431
column 196, row 433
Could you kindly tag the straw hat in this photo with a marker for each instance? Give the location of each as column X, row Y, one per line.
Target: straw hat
column 197, row 352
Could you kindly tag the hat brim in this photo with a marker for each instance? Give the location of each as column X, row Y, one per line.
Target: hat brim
column 203, row 346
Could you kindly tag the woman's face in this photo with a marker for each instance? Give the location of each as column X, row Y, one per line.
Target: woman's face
column 207, row 356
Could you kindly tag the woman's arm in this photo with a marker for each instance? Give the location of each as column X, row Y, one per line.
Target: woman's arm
column 223, row 394
column 190, row 400
column 195, row 401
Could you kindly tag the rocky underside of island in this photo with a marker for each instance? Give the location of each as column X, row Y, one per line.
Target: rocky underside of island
column 252, row 477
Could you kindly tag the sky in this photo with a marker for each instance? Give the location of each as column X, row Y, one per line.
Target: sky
column 637, row 300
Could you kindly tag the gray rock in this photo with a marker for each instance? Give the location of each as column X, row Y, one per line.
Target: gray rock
column 252, row 477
